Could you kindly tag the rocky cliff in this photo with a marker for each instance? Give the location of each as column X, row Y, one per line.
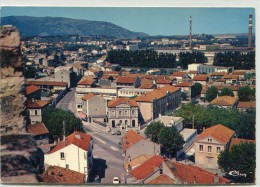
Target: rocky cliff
column 17, row 147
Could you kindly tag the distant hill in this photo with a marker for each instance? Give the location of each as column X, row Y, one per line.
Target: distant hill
column 52, row 26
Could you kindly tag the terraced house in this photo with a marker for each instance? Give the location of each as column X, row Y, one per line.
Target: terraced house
column 158, row 101
column 123, row 113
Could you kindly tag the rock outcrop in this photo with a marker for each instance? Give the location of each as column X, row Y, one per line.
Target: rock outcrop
column 17, row 147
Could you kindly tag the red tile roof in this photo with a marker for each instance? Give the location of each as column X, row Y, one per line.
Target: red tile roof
column 130, row 139
column 86, row 81
column 79, row 139
column 126, row 79
column 192, row 174
column 200, row 78
column 147, row 85
column 59, row 175
column 193, row 72
column 231, row 77
column 31, row 89
column 118, row 101
column 179, row 74
column 218, row 73
column 246, row 105
column 156, row 94
column 236, row 141
column 184, row 84
column 146, row 168
column 238, row 73
column 46, row 83
column 36, row 103
column 37, row 129
column 224, row 101
column 87, row 96
column 162, row 179
column 218, row 132
column 163, row 81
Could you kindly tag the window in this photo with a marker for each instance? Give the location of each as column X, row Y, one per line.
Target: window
column 209, row 159
column 120, row 113
column 125, row 112
column 209, row 149
column 201, row 147
column 67, row 166
column 62, row 156
column 133, row 112
column 36, row 112
column 218, row 149
column 209, row 139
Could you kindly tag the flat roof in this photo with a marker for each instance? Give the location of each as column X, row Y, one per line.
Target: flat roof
column 168, row 119
column 186, row 133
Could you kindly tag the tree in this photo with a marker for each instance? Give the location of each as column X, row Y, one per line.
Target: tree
column 226, row 91
column 211, row 93
column 245, row 93
column 53, row 120
column 197, row 89
column 242, row 158
column 153, row 130
column 171, row 139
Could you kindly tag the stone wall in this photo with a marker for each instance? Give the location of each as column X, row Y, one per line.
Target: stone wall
column 18, row 148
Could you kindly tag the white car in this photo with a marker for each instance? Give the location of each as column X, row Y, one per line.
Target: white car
column 116, row 180
column 113, row 132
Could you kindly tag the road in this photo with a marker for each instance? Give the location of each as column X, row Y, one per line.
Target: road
column 68, row 101
column 106, row 149
column 108, row 159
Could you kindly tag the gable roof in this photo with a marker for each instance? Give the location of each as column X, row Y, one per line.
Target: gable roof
column 56, row 174
column 246, row 105
column 37, row 129
column 163, row 81
column 162, row 179
column 33, row 103
column 118, row 101
column 30, row 89
column 218, row 132
column 236, row 141
column 145, row 169
column 231, row 77
column 156, row 94
column 87, row 96
column 46, row 83
column 79, row 139
column 130, row 139
column 224, row 101
column 126, row 79
column 200, row 78
column 184, row 84
column 179, row 74
column 86, row 81
column 147, row 85
column 137, row 161
column 192, row 174
column 238, row 72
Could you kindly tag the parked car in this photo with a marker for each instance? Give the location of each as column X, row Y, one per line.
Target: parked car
column 137, row 131
column 113, row 132
column 118, row 132
column 108, row 129
column 116, row 180
column 120, row 145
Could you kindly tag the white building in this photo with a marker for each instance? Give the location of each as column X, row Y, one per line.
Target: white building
column 63, row 74
column 74, row 153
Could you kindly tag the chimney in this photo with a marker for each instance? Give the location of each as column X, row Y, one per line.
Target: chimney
column 250, row 31
column 33, row 100
column 216, row 178
column 172, row 121
column 203, row 129
column 160, row 115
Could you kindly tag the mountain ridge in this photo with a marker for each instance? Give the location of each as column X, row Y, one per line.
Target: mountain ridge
column 51, row 26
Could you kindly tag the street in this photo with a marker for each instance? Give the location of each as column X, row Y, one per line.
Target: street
column 108, row 159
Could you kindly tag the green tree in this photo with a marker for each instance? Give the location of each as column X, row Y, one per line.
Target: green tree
column 245, row 93
column 196, row 89
column 153, row 130
column 211, row 93
column 242, row 158
column 53, row 120
column 171, row 139
column 226, row 91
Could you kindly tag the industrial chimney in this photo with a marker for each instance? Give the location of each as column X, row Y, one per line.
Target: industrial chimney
column 250, row 31
column 190, row 32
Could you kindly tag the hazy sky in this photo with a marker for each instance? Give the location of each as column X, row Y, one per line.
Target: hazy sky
column 153, row 21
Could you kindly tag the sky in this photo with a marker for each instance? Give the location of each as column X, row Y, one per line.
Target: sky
column 153, row 21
